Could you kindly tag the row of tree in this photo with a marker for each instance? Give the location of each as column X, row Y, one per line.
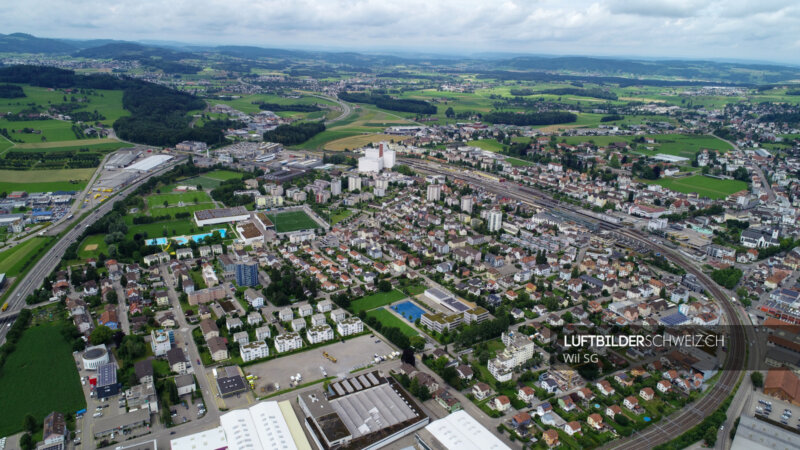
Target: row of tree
column 392, row 104
column 534, row 118
column 294, row 134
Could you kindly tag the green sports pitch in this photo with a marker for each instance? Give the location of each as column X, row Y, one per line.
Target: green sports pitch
column 292, row 221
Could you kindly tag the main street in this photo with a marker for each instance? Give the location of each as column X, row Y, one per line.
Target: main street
column 680, row 421
column 47, row 263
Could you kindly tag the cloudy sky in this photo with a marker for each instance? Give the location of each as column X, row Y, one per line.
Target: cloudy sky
column 765, row 30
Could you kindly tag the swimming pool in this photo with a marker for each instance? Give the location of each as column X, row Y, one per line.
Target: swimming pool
column 409, row 310
column 184, row 239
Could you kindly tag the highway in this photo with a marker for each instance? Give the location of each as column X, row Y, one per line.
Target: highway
column 680, row 421
column 51, row 259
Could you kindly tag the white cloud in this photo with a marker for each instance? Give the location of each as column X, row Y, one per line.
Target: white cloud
column 767, row 29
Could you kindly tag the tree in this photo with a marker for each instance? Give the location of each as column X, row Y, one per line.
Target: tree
column 29, row 424
column 111, row 297
column 384, row 286
column 26, row 442
column 449, row 113
column 101, row 335
column 757, row 378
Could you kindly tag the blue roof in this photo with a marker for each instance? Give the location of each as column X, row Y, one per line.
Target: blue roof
column 42, row 213
column 674, row 319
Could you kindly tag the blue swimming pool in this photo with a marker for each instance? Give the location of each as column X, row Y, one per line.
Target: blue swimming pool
column 409, row 310
column 184, row 239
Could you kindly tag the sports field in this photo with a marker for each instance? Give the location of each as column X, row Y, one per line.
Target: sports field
column 39, row 377
column 388, row 319
column 704, row 186
column 376, row 300
column 92, row 246
column 211, row 180
column 292, row 221
column 174, row 198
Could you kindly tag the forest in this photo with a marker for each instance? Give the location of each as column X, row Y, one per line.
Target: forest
column 293, row 107
column 294, row 134
column 11, row 91
column 386, row 102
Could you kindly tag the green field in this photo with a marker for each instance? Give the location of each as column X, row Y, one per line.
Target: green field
column 12, row 261
column 387, row 319
column 245, row 104
column 46, row 130
column 95, row 239
column 487, row 144
column 704, row 186
column 686, row 145
column 95, row 145
column 45, row 180
column 211, row 180
column 157, row 200
column 376, row 300
column 38, row 378
column 516, row 162
column 107, row 103
column 292, row 221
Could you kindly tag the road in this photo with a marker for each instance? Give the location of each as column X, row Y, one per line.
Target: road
column 33, row 279
column 346, row 108
column 686, row 418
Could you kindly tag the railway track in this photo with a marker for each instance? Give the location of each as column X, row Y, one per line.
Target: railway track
column 680, row 421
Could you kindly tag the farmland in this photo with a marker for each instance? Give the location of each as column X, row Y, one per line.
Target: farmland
column 376, row 300
column 704, row 186
column 39, row 377
column 46, row 180
column 354, row 142
column 292, row 221
column 387, row 319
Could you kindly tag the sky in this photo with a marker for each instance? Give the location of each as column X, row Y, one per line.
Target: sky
column 763, row 30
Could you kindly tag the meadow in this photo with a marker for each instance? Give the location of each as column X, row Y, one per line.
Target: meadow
column 39, row 377
column 387, row 319
column 46, row 180
column 13, row 261
column 292, row 221
column 704, row 186
column 376, row 300
column 355, row 142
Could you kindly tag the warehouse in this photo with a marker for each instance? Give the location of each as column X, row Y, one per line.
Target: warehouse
column 459, row 431
column 149, row 163
column 366, row 412
column 108, row 426
column 121, row 159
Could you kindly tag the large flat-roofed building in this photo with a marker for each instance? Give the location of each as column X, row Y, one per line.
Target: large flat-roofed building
column 149, row 163
column 459, row 431
column 263, row 426
column 754, row 434
column 221, row 215
column 368, row 411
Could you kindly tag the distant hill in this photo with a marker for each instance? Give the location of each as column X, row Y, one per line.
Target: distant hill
column 26, row 43
column 131, row 51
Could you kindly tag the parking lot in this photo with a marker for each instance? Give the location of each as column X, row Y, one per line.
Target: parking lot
column 350, row 355
column 778, row 407
column 183, row 414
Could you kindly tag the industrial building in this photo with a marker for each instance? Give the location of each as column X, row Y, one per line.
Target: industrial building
column 368, row 411
column 121, row 159
column 265, row 425
column 377, row 159
column 149, row 163
column 230, row 381
column 221, row 215
column 458, row 431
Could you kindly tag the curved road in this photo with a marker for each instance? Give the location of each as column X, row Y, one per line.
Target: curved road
column 684, row 419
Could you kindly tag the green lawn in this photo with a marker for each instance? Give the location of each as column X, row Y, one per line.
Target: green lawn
column 487, row 144
column 376, row 300
column 38, row 378
column 340, row 216
column 387, row 319
column 292, row 221
column 416, row 289
column 174, row 198
column 516, row 162
column 108, row 103
column 95, row 239
column 50, row 130
column 52, row 186
column 705, row 186
column 13, row 260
